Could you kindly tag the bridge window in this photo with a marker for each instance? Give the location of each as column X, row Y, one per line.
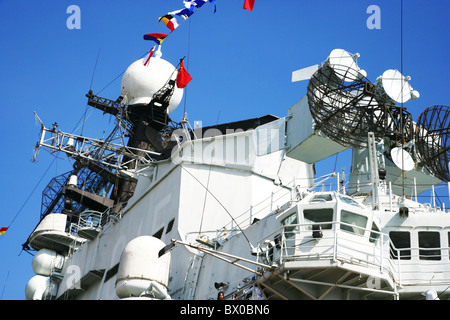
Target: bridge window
column 290, row 225
column 353, row 222
column 429, row 244
column 322, row 198
column 374, row 235
column 401, row 240
column 318, row 216
column 349, row 200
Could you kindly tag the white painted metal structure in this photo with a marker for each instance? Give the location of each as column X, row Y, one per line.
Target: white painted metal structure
column 242, row 212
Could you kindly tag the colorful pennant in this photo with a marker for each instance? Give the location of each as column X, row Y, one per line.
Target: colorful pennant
column 157, row 37
column 170, row 21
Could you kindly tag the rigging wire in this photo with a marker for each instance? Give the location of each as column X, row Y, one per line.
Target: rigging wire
column 32, row 192
column 204, row 200
column 90, row 87
column 188, row 58
column 206, row 193
column 4, row 286
column 401, row 94
column 218, row 201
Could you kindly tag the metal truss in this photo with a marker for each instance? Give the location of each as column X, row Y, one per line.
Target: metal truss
column 114, row 156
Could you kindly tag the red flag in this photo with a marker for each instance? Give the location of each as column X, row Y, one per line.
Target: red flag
column 3, row 230
column 249, row 4
column 183, row 77
column 150, row 53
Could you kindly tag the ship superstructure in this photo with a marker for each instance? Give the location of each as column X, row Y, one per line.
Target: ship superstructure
column 183, row 213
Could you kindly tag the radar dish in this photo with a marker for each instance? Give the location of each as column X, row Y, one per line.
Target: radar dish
column 343, row 59
column 433, row 140
column 393, row 87
column 346, row 111
column 402, row 159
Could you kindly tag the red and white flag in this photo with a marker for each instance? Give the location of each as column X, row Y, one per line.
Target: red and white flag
column 150, row 54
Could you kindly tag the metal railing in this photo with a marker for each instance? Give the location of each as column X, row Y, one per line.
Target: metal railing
column 361, row 246
column 97, row 220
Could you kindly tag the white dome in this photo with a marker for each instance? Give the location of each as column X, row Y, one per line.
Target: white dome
column 140, row 81
column 45, row 260
column 38, row 287
column 140, row 266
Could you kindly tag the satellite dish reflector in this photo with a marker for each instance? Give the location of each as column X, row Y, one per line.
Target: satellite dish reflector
column 340, row 57
column 393, row 87
column 402, row 159
column 343, row 58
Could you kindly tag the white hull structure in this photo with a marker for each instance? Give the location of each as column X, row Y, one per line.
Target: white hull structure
column 241, row 211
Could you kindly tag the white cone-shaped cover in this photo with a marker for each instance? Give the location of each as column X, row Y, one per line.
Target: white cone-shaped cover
column 141, row 80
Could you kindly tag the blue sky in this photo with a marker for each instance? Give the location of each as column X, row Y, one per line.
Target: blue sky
column 241, row 63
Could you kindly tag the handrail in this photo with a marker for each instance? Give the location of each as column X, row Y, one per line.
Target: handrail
column 96, row 219
column 90, row 218
column 339, row 241
column 338, row 244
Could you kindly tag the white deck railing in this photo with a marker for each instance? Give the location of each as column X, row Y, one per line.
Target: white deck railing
column 363, row 248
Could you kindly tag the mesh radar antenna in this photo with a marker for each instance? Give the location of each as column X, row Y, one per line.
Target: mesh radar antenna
column 346, row 105
column 356, row 113
column 433, row 140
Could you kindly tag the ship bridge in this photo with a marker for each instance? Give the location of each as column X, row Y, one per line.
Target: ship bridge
column 330, row 245
column 328, row 241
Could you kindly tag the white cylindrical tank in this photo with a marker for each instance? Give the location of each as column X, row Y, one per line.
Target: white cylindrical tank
column 141, row 81
column 141, row 270
column 45, row 260
column 39, row 287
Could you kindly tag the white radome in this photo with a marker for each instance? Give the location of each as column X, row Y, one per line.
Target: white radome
column 141, row 267
column 140, row 82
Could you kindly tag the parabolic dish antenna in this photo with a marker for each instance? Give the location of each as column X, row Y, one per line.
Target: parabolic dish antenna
column 345, row 60
column 402, row 159
column 393, row 87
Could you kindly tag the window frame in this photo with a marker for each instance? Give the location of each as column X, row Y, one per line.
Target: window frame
column 357, row 229
column 425, row 251
column 322, row 223
column 291, row 228
column 404, row 254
